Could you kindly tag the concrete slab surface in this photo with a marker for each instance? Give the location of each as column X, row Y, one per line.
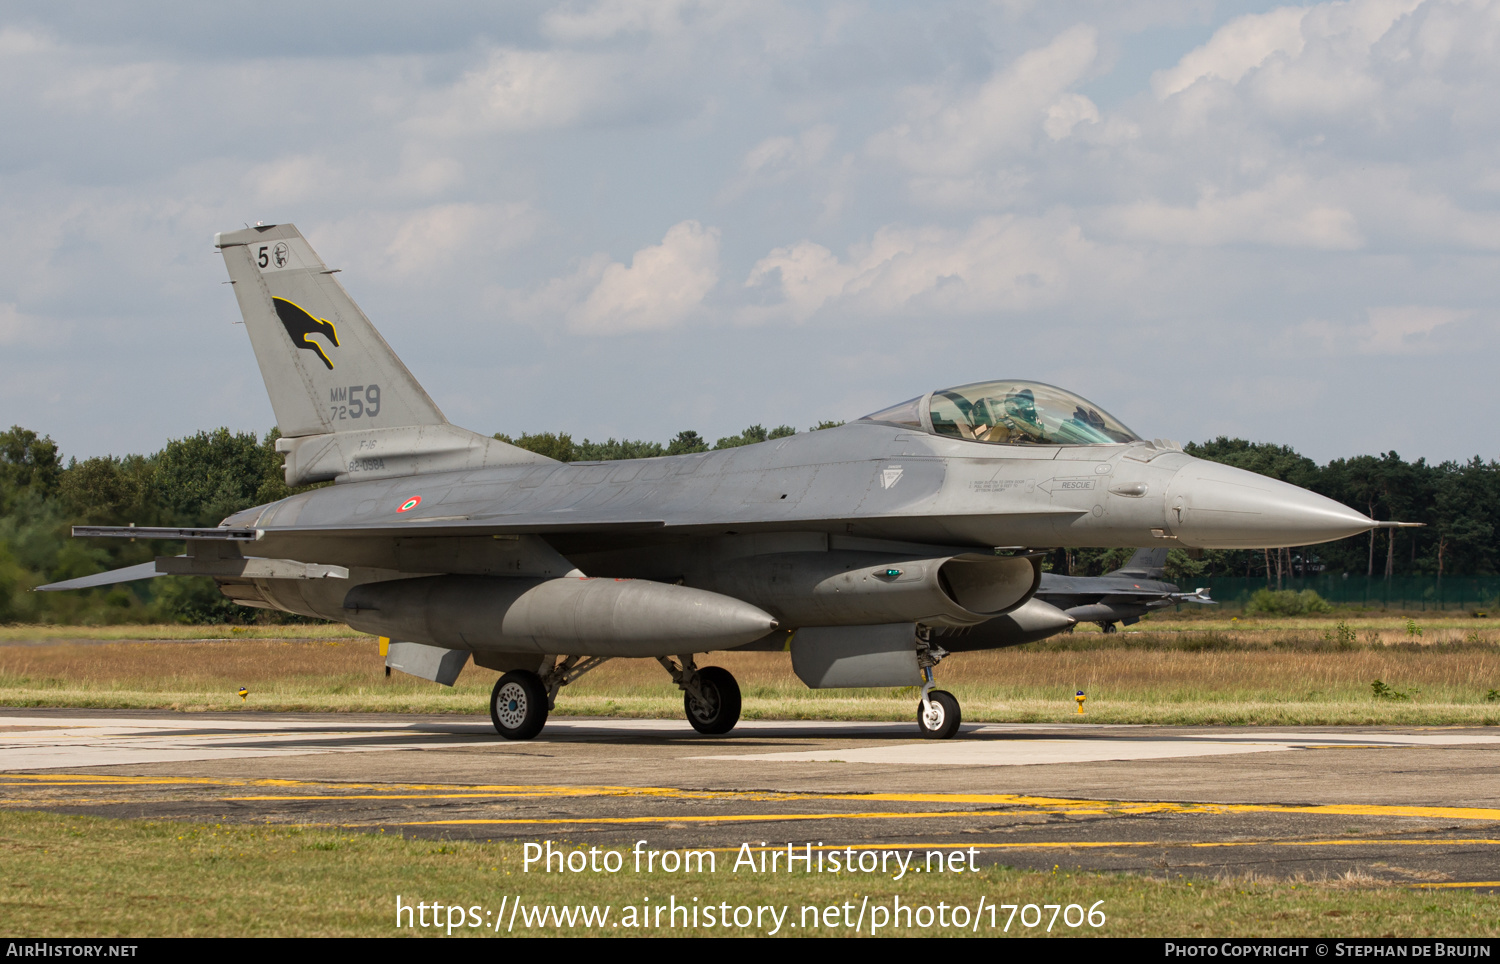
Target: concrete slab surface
column 1415, row 806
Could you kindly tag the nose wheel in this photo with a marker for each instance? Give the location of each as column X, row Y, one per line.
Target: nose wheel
column 938, row 715
column 518, row 705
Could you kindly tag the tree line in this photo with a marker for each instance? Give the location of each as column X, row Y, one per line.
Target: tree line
column 199, row 480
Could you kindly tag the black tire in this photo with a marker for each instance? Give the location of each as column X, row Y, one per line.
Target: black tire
column 1109, row 627
column 518, row 705
column 946, row 716
column 720, row 710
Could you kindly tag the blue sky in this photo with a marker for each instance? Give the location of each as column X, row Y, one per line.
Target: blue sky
column 631, row 218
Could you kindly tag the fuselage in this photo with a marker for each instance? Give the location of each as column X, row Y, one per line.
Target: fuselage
column 863, row 487
column 864, row 479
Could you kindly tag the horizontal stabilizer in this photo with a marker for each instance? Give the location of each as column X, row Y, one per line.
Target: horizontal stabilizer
column 145, row 570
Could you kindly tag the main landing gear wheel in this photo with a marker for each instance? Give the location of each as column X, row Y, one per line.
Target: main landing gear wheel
column 719, row 708
column 938, row 718
column 518, row 705
column 1109, row 627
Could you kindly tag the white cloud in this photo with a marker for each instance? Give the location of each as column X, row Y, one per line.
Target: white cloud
column 114, row 88
column 1387, row 330
column 15, row 42
column 777, row 160
column 808, row 275
column 1290, row 211
column 421, row 242
column 663, row 286
column 1320, row 60
column 294, row 180
column 1005, row 195
column 953, row 133
column 524, row 90
column 606, row 19
column 1066, row 113
column 16, row 327
column 998, row 264
column 432, row 244
column 1235, row 49
column 779, row 155
column 1398, row 328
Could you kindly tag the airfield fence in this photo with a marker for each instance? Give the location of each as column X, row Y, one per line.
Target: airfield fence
column 1371, row 592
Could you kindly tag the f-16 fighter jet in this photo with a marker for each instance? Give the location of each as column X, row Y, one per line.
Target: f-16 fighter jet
column 868, row 551
column 1122, row 596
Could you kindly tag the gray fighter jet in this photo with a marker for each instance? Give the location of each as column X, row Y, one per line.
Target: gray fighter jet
column 1123, row 596
column 868, row 551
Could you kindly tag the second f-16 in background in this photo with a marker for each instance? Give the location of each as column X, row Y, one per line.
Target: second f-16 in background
column 1122, row 596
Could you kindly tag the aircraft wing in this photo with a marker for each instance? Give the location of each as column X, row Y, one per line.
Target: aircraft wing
column 218, row 534
column 483, row 524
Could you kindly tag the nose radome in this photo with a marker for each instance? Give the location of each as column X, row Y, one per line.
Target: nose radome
column 1215, row 506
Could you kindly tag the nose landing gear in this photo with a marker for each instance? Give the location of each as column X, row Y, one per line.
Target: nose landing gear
column 938, row 714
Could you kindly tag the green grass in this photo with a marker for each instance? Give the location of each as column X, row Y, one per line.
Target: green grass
column 64, row 875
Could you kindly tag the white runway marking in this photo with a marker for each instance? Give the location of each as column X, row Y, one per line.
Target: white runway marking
column 1018, row 750
column 1010, row 752
column 47, row 742
column 56, row 742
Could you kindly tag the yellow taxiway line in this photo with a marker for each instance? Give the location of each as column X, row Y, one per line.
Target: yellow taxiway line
column 1162, row 844
column 1011, row 802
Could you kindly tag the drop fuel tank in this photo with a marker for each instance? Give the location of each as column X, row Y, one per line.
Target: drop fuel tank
column 576, row 616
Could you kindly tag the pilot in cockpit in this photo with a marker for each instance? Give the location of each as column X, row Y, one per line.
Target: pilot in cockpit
column 1009, row 412
column 1013, row 419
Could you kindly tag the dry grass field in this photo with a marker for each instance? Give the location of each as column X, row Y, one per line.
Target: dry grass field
column 1302, row 671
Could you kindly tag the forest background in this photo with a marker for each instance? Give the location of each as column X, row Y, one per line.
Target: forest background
column 197, row 481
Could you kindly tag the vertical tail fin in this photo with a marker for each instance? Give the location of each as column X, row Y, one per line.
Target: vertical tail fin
column 326, row 367
column 1145, row 564
column 346, row 405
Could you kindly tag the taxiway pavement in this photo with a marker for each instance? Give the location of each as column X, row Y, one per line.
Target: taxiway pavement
column 1419, row 806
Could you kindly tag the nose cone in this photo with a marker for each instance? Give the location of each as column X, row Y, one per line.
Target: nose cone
column 1214, row 506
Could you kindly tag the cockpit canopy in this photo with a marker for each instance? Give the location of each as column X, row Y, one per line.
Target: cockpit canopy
column 1009, row 413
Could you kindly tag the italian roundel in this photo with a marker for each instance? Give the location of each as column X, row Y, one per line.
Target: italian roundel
column 410, row 504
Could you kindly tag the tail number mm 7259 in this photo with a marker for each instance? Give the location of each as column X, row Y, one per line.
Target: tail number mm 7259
column 356, row 401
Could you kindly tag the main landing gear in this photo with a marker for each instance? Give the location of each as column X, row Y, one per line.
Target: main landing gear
column 710, row 696
column 938, row 715
column 521, row 699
